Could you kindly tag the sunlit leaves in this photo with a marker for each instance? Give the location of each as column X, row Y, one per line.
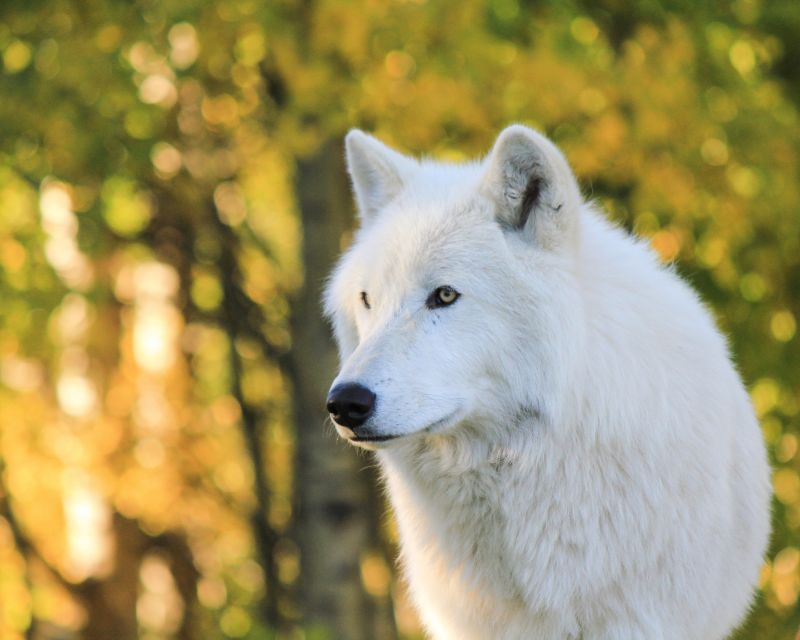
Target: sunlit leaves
column 16, row 56
column 166, row 159
column 783, row 325
column 126, row 209
column 184, row 44
column 206, row 291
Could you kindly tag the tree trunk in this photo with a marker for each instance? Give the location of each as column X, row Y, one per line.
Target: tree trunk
column 336, row 521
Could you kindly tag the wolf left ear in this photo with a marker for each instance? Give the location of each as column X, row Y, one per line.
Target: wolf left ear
column 378, row 173
column 532, row 186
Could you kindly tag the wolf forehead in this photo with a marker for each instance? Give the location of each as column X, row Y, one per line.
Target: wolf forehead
column 421, row 241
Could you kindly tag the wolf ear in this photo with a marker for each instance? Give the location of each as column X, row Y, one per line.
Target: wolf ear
column 532, row 186
column 378, row 172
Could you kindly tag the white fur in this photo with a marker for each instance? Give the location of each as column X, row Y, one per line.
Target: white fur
column 576, row 455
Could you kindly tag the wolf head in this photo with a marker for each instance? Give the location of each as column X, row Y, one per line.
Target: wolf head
column 453, row 307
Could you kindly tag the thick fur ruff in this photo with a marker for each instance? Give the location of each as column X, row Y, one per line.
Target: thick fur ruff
column 570, row 452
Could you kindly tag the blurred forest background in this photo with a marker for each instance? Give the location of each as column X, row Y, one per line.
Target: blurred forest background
column 172, row 195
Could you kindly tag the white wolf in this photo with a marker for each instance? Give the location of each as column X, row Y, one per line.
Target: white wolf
column 568, row 449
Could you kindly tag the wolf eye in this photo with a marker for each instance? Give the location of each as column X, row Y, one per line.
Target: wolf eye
column 365, row 299
column 442, row 297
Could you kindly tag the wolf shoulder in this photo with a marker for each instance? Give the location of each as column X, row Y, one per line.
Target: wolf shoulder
column 643, row 310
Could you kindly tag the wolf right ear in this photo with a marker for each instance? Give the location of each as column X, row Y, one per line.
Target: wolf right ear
column 532, row 187
column 378, row 173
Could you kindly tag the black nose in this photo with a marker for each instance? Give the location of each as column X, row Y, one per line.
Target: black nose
column 350, row 404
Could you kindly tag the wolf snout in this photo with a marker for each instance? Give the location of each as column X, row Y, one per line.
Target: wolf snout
column 350, row 404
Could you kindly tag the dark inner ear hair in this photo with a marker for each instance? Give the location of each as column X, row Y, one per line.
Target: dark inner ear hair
column 529, row 199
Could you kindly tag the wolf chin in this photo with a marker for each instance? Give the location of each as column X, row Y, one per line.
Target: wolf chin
column 568, row 449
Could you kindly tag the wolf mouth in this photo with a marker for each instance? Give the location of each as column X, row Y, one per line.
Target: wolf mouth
column 374, row 438
column 426, row 430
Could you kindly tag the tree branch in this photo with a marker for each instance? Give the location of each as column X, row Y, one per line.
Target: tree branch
column 237, row 310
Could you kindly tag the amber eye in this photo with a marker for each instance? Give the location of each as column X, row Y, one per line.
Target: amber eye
column 442, row 297
column 365, row 299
